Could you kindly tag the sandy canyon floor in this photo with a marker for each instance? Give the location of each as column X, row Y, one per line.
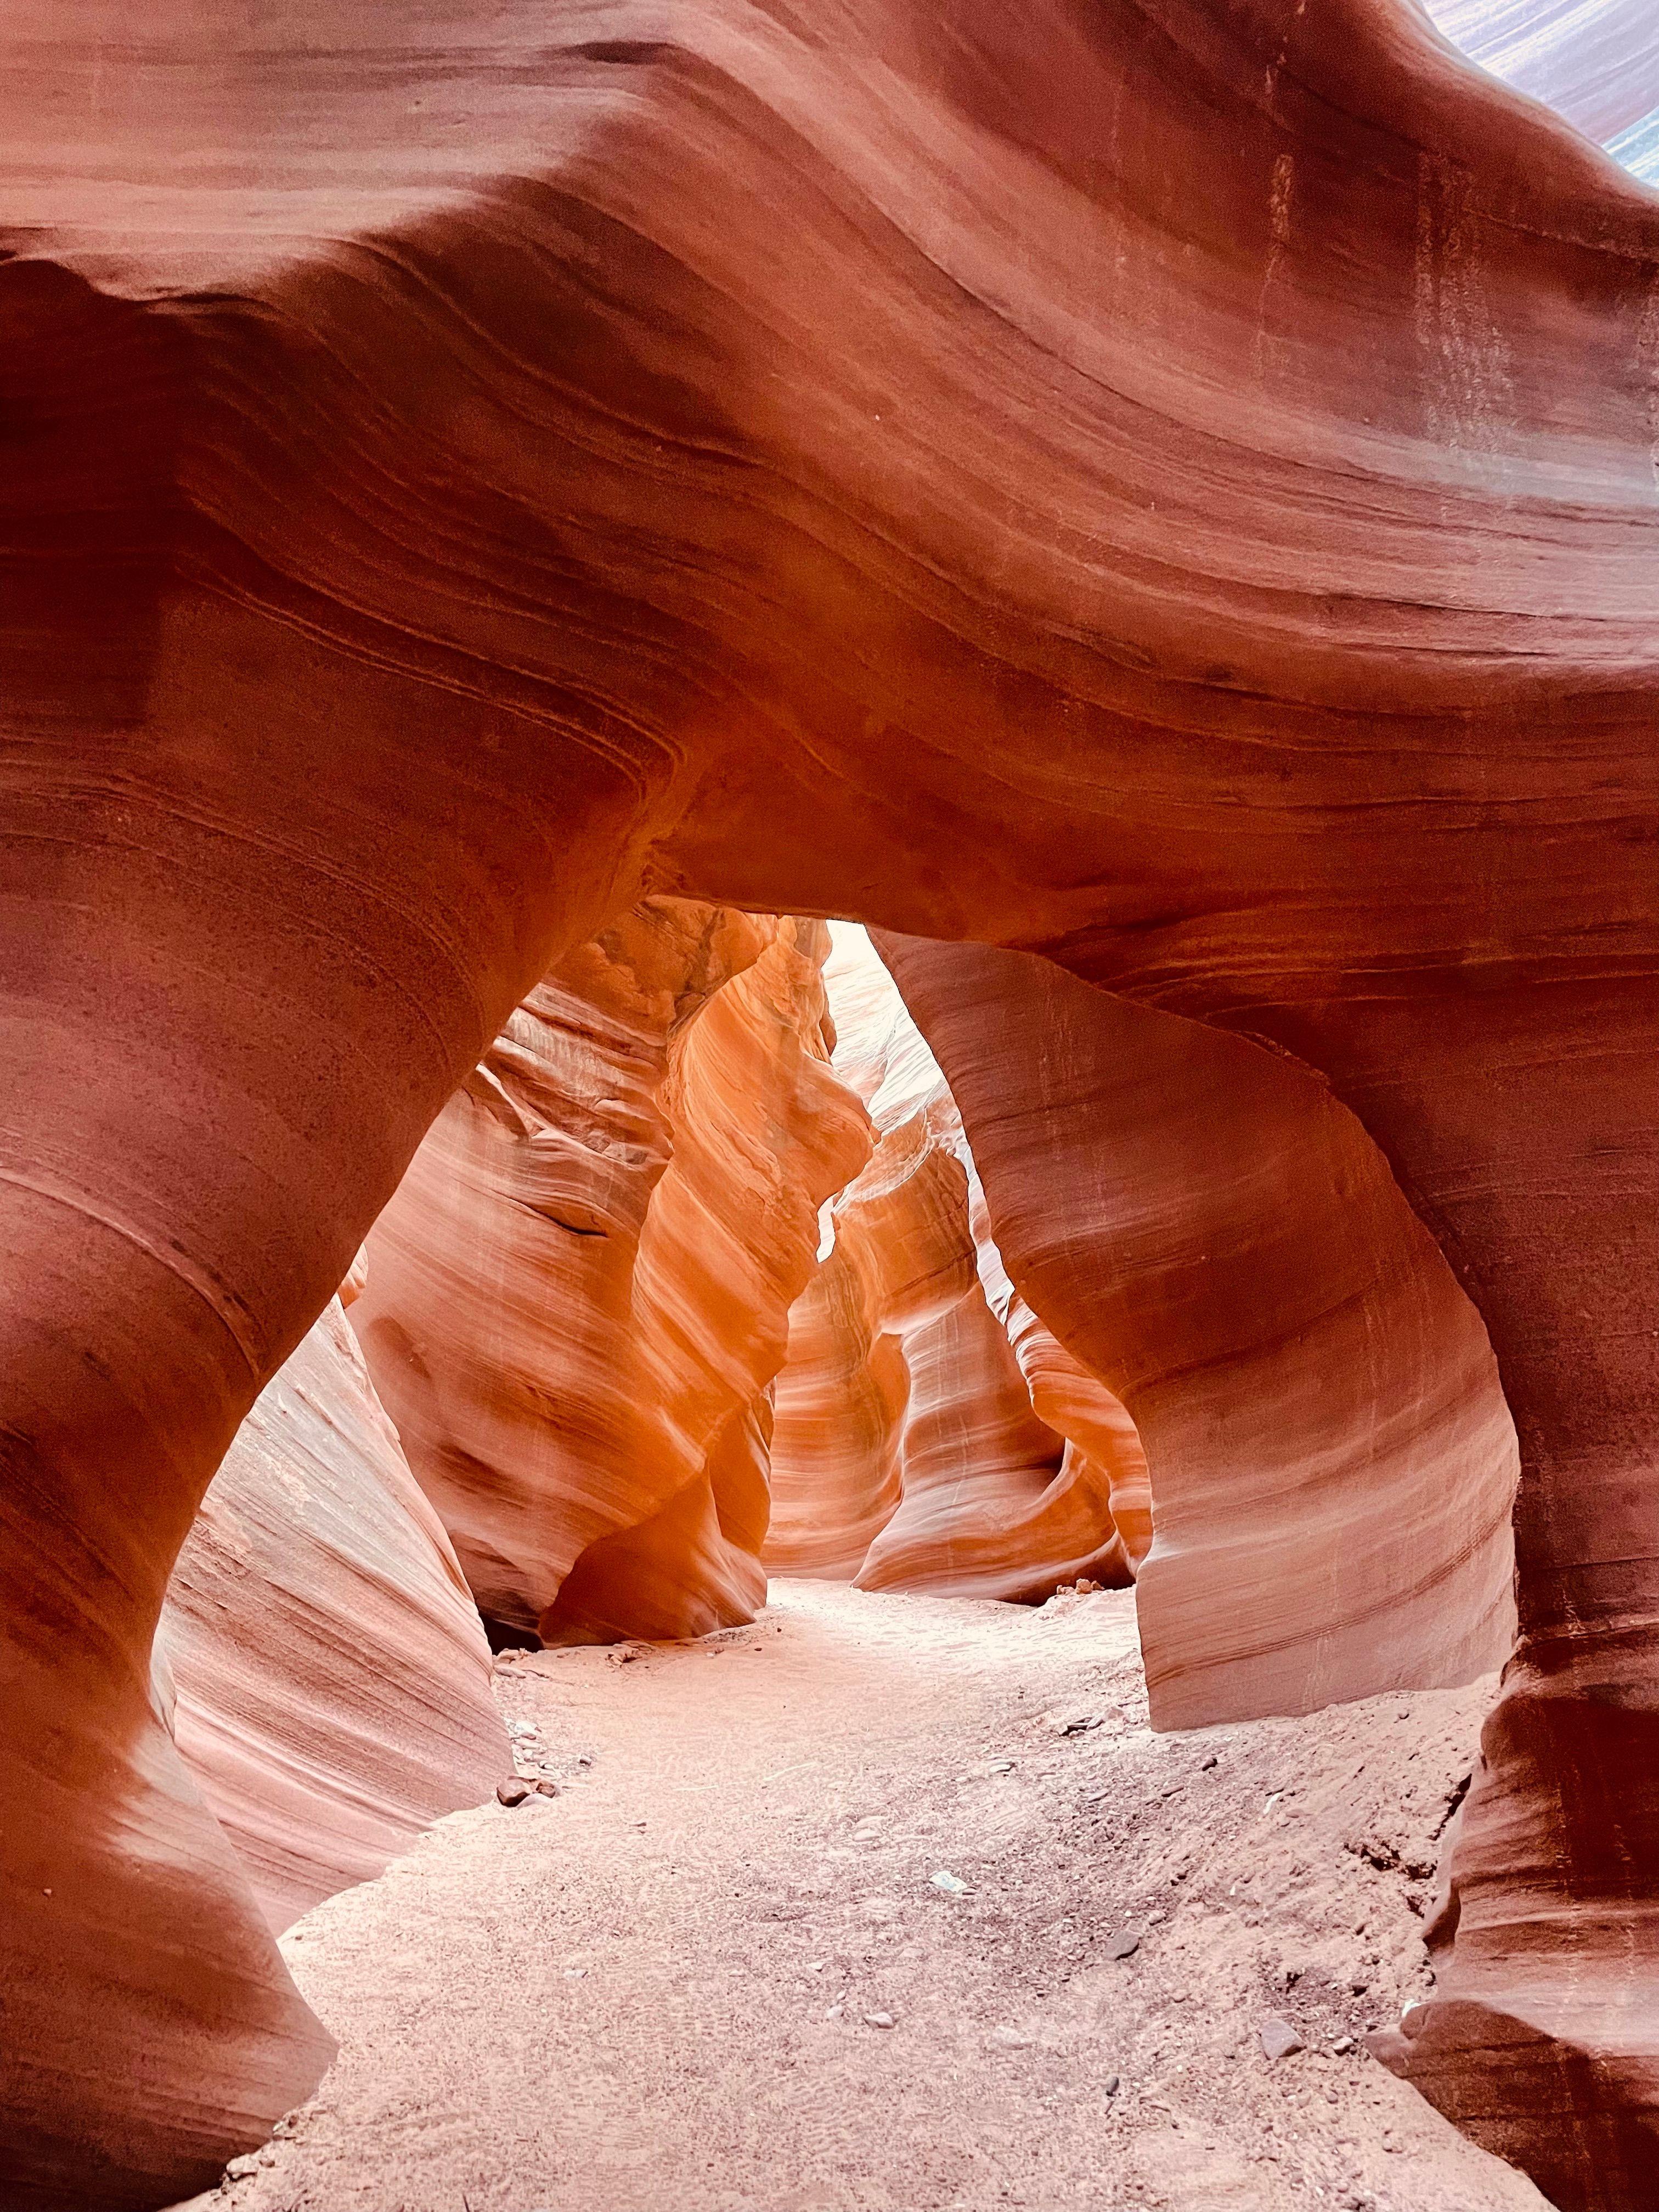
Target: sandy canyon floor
column 725, row 1969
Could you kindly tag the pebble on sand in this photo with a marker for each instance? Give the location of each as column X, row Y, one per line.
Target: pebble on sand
column 1280, row 2038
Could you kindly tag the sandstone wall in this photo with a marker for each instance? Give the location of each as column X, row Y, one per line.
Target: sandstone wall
column 838, row 1426
column 1167, row 485
column 576, row 1302
column 330, row 1675
column 911, row 1426
column 1332, row 1464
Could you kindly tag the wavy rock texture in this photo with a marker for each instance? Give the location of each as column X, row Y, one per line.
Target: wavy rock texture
column 504, row 1266
column 1597, row 62
column 906, row 1420
column 838, row 1426
column 331, row 1679
column 1333, row 1466
column 991, row 1504
column 1103, row 1450
column 1331, row 1456
column 1165, row 484
column 577, row 1300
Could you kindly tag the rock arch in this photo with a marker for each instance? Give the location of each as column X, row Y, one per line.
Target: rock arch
column 1162, row 484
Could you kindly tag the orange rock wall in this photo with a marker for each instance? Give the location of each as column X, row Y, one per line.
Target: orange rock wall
column 838, row 1426
column 577, row 1300
column 1333, row 1466
column 331, row 1680
column 908, row 1424
column 1164, row 484
column 1104, row 1455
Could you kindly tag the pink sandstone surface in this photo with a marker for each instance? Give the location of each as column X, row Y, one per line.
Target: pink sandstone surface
column 1332, row 1464
column 330, row 1673
column 1164, row 485
column 912, row 1422
column 576, row 1302
column 837, row 1426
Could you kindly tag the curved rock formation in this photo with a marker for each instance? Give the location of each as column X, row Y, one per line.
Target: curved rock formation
column 331, row 1677
column 838, row 1427
column 1333, row 1466
column 504, row 1262
column 1597, row 62
column 1167, row 484
column 577, row 1300
column 1103, row 1448
column 992, row 1504
column 911, row 1422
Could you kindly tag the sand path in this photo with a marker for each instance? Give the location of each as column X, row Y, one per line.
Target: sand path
column 659, row 1992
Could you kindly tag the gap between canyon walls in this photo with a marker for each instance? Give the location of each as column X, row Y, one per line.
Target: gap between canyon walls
column 929, row 1433
column 581, row 1305
column 1164, row 485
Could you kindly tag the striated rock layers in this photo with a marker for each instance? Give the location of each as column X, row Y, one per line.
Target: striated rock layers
column 908, row 1453
column 576, row 1303
column 1332, row 1464
column 1597, row 62
column 837, row 1425
column 328, row 1677
column 1103, row 1450
column 1167, row 485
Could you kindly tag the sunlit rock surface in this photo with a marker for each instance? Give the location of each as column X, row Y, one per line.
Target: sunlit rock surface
column 1103, row 1451
column 330, row 1674
column 577, row 1301
column 1164, row 484
column 838, row 1424
column 903, row 1408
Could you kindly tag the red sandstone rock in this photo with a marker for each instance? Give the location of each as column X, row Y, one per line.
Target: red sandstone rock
column 1331, row 1463
column 912, row 1422
column 332, row 1676
column 1597, row 62
column 1104, row 1446
column 500, row 1299
column 992, row 1506
column 1166, row 483
column 838, row 1426
column 577, row 1298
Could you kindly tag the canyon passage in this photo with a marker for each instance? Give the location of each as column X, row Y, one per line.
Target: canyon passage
column 855, row 799
column 670, row 1984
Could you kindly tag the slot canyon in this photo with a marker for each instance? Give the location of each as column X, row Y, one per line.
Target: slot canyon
column 829, row 918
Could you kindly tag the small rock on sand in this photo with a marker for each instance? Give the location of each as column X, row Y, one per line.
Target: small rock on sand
column 1280, row 2038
